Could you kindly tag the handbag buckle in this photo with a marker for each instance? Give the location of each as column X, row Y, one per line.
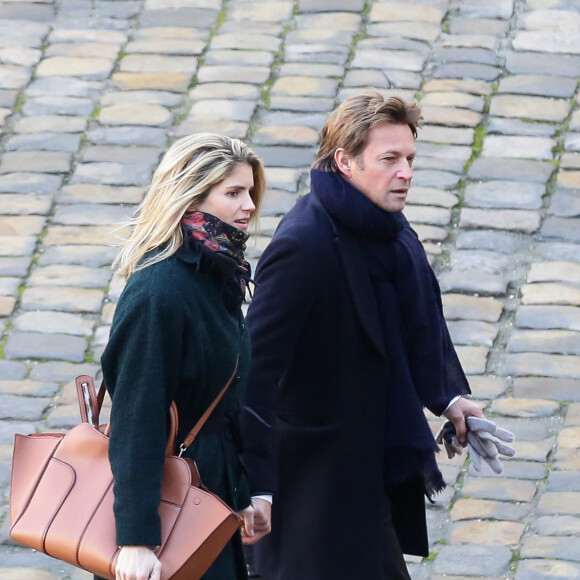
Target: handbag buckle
column 182, row 449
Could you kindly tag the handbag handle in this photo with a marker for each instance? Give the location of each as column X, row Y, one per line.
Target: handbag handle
column 90, row 404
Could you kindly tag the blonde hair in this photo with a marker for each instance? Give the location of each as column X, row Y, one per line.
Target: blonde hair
column 183, row 179
column 348, row 125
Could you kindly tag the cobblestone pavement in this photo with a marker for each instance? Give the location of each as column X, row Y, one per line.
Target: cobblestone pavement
column 93, row 91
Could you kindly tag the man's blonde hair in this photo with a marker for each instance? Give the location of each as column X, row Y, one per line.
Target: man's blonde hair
column 183, row 179
column 348, row 126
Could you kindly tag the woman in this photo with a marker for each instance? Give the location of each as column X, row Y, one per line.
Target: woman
column 177, row 333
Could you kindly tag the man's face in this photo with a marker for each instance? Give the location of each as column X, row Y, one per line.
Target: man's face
column 384, row 169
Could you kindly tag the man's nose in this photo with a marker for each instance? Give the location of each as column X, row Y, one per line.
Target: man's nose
column 405, row 170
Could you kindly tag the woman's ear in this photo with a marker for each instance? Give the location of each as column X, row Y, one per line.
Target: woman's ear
column 342, row 160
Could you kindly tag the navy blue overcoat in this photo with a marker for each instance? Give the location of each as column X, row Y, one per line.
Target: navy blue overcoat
column 314, row 410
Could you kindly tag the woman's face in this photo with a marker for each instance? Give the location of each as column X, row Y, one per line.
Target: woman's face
column 230, row 200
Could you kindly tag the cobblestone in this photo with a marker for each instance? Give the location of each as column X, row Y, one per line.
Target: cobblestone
column 92, row 93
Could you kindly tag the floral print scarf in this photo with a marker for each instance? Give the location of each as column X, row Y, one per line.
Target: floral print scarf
column 220, row 237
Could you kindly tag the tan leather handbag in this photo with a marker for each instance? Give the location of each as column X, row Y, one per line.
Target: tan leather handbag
column 61, row 498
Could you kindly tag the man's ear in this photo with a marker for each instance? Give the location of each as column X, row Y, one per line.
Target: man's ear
column 343, row 160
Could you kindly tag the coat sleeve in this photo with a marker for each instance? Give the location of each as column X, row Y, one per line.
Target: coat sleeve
column 286, row 283
column 141, row 366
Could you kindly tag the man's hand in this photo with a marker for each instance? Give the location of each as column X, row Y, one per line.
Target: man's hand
column 137, row 563
column 457, row 413
column 261, row 522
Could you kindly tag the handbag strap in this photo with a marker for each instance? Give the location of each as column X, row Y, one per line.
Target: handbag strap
column 202, row 420
column 90, row 404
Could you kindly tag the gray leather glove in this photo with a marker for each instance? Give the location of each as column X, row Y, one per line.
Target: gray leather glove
column 485, row 441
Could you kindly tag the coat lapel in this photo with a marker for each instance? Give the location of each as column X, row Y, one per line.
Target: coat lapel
column 358, row 280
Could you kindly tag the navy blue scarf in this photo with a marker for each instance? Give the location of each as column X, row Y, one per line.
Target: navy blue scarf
column 423, row 368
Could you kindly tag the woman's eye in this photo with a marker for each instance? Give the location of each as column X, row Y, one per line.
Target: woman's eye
column 233, row 193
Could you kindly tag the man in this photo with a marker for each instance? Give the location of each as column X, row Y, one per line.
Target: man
column 349, row 344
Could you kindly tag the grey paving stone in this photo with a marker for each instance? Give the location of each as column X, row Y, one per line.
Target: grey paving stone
column 94, row 256
column 12, row 370
column 497, row 241
column 44, row 142
column 37, row 345
column 53, row 322
column 225, row 91
column 472, row 332
column 328, row 35
column 75, row 276
column 50, row 124
column 128, row 136
column 191, row 17
column 390, row 59
column 64, row 86
column 416, row 30
column 564, row 203
column 482, row 260
column 240, row 57
column 484, row 561
column 555, row 250
column 58, row 106
column 62, row 298
column 536, row 569
column 564, row 228
column 330, row 5
column 36, row 161
column 393, row 43
column 301, row 104
column 286, row 156
column 525, row 221
column 14, row 266
column 92, row 214
column 472, row 55
column 504, row 194
column 434, row 178
column 565, row 65
column 277, row 203
column 464, row 25
column 327, row 54
column 473, row 281
column 23, row 182
column 61, row 371
column 251, row 41
column 18, row 408
column 540, row 85
column 17, row 245
column 32, row 12
column 519, row 127
column 108, row 173
column 466, row 70
column 548, row 341
column 547, row 317
column 545, row 365
column 7, row 98
column 530, row 470
column 459, row 306
column 511, row 170
column 500, row 9
column 97, row 193
column 550, row 547
column 557, row 525
column 519, row 147
column 548, row 388
column 564, row 481
column 288, row 118
column 115, row 153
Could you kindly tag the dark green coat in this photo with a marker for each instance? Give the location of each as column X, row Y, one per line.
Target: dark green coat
column 177, row 331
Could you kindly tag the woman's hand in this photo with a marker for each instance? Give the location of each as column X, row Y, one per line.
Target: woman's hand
column 137, row 563
column 261, row 521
